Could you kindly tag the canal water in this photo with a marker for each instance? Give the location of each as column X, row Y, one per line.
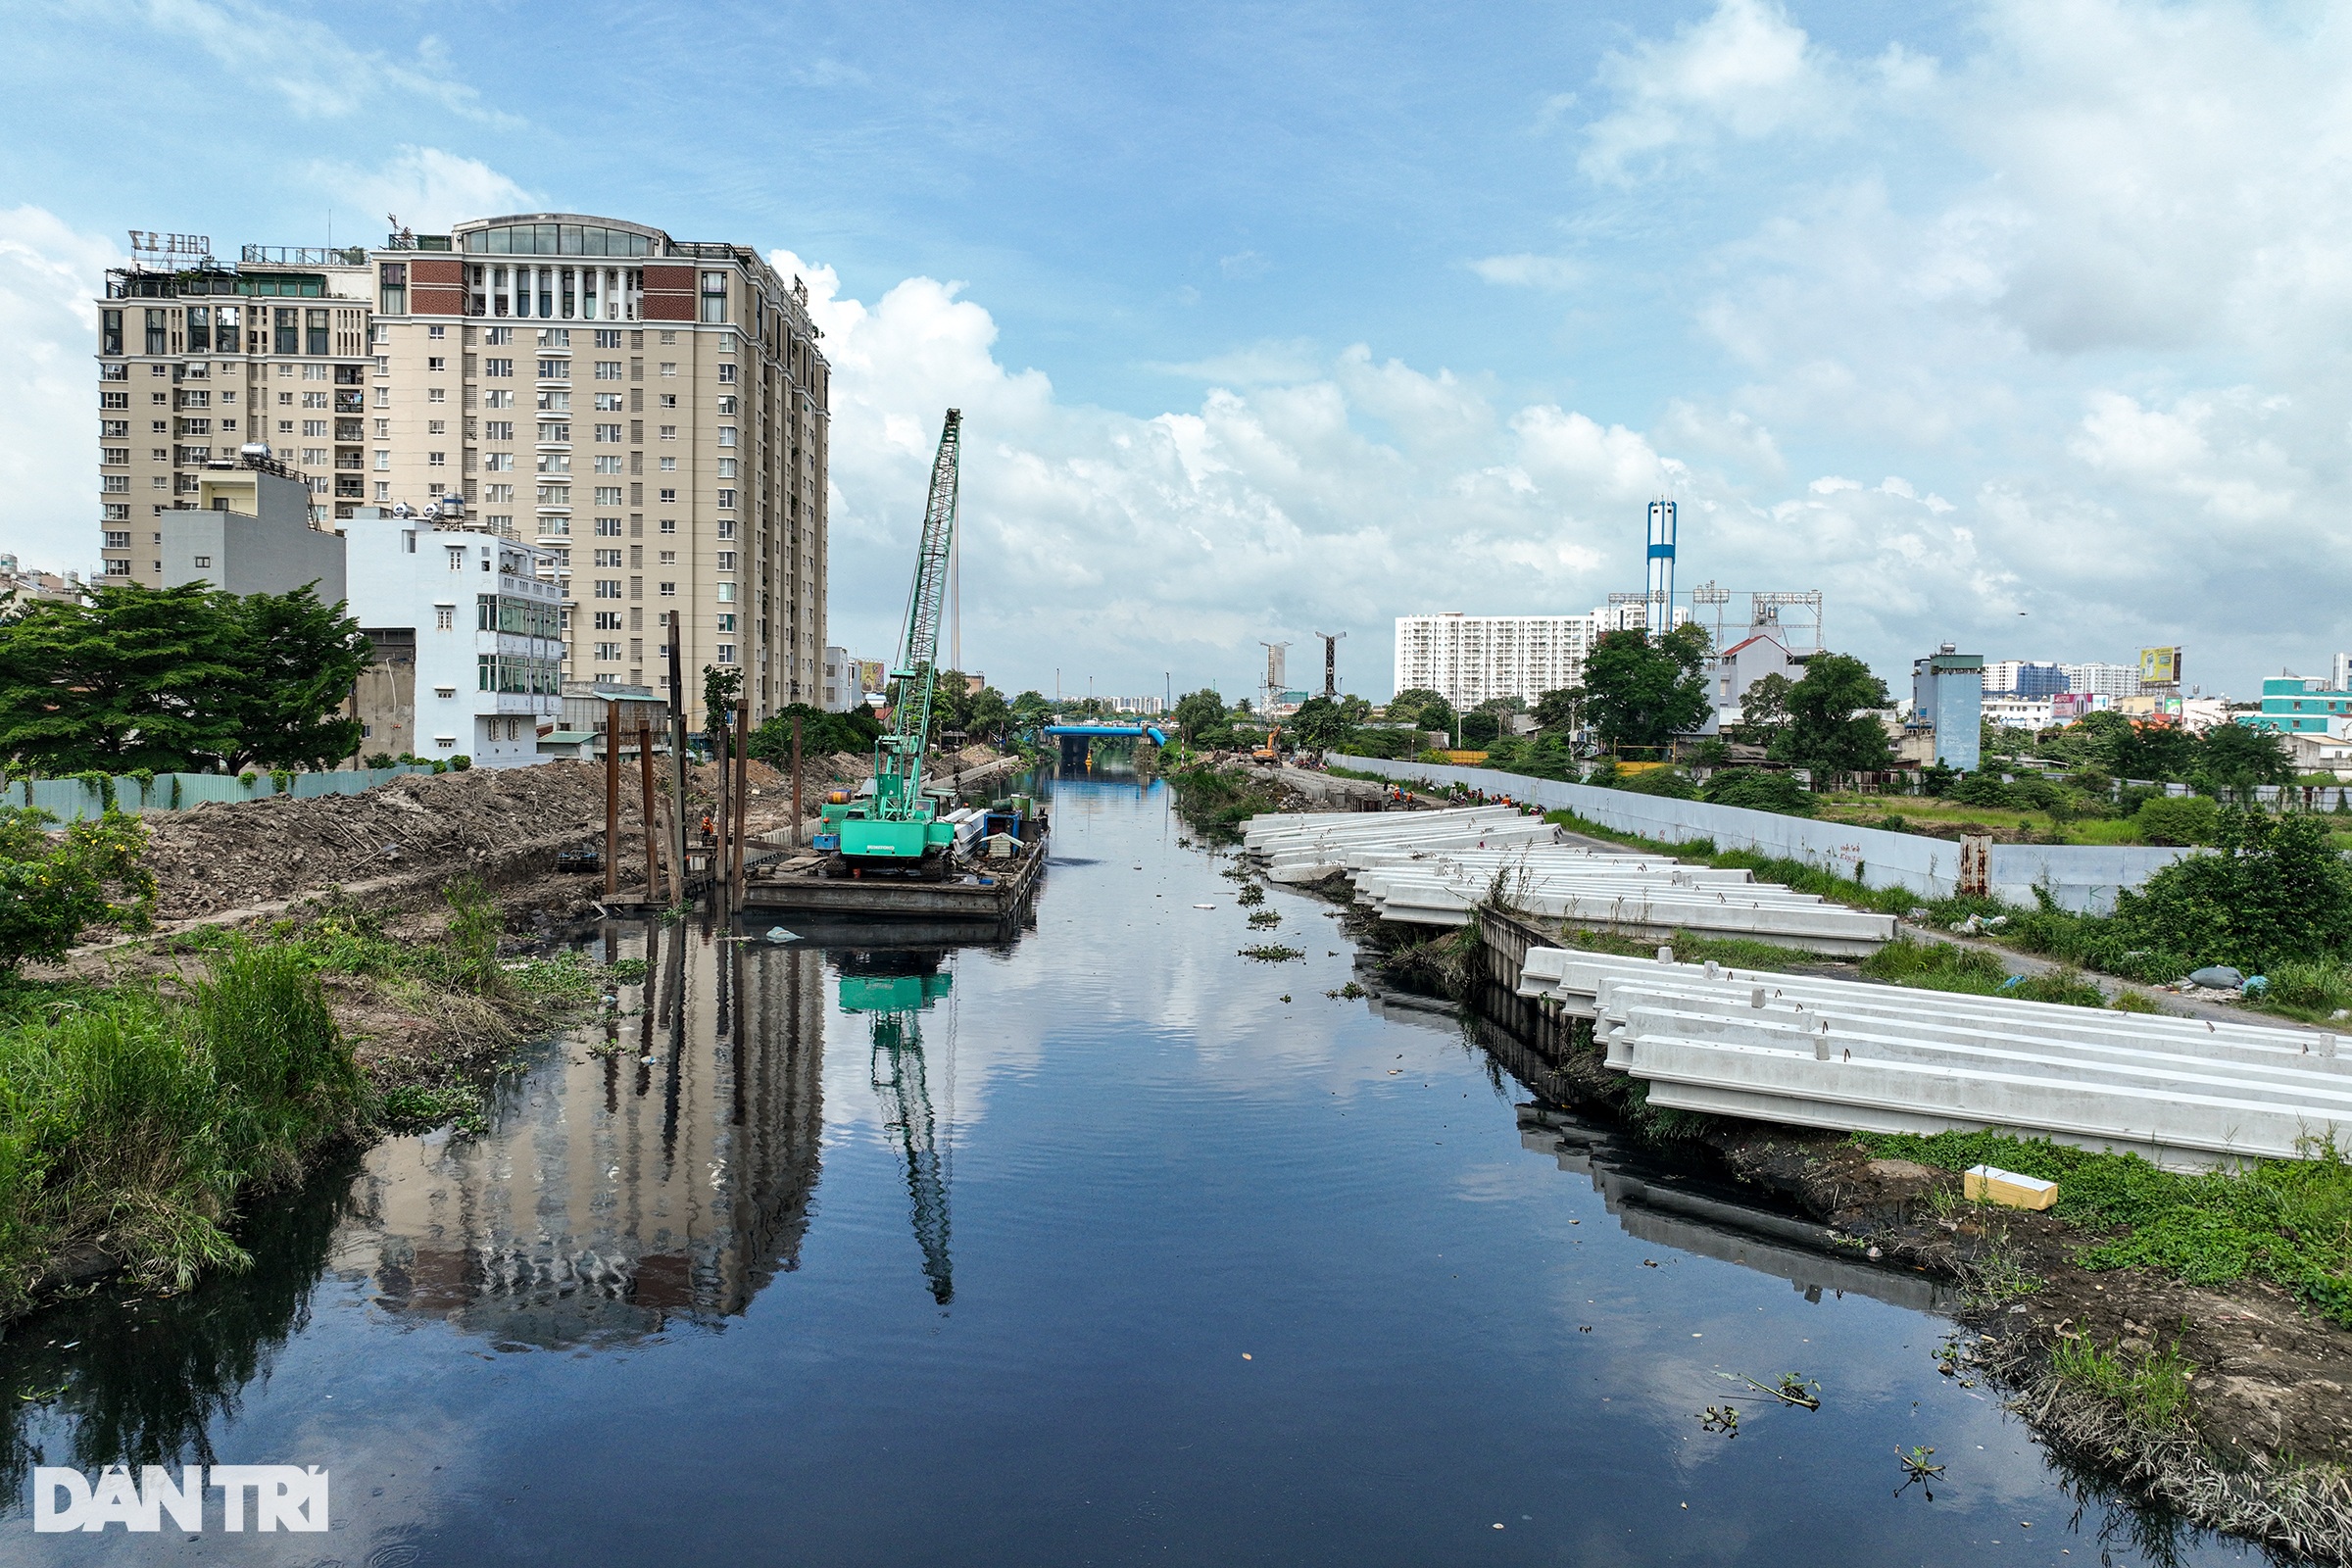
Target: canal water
column 1104, row 1244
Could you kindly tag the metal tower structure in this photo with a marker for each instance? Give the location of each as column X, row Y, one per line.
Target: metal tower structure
column 1278, row 678
column 1331, row 663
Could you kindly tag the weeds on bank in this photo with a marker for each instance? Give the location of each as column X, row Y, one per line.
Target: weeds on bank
column 1945, row 966
column 2288, row 1221
column 135, row 1122
column 2153, row 1390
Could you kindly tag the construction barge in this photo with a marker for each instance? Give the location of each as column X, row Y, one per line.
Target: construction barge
column 989, row 887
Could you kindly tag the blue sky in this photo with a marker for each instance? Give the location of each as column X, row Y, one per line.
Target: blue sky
column 2014, row 323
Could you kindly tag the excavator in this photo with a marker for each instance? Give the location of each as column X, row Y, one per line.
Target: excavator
column 896, row 829
column 895, row 988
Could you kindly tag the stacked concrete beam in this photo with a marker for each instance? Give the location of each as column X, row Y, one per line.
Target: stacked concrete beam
column 1815, row 1052
column 1435, row 867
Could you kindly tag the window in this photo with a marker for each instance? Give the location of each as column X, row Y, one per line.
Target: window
column 110, row 333
column 726, row 593
column 392, row 288
column 726, row 500
column 436, row 362
column 609, row 433
column 726, row 528
column 499, row 495
column 608, row 369
column 114, row 400
column 607, row 620
column 554, row 463
column 118, row 541
column 383, row 461
column 607, row 403
column 669, row 400
column 667, row 338
column 498, row 461
column 668, row 466
column 726, row 622
column 499, row 398
column 608, row 464
column 670, row 557
column 445, row 618
column 554, row 433
column 114, row 484
column 669, row 367
column 609, row 653
column 554, row 337
column 715, row 297
column 555, row 369
column 669, row 526
column 203, row 563
column 608, row 588
column 670, row 432
column 314, row 331
column 440, row 459
column 457, row 557
column 609, row 558
column 727, row 467
column 555, row 402
column 113, row 457
column 727, row 560
column 607, row 527
column 316, row 429
column 436, row 395
column 436, row 427
column 554, row 495
column 120, row 512
column 726, row 435
column 498, row 366
column 314, row 400
column 495, row 336
column 726, row 652
column 726, row 375
column 498, row 430
column 668, row 590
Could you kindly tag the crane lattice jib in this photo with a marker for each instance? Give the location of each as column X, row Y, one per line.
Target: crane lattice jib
column 899, row 771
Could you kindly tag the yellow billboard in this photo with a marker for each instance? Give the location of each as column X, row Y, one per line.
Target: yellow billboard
column 2160, row 667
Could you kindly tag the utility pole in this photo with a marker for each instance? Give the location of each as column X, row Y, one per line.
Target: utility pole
column 677, row 757
column 611, row 799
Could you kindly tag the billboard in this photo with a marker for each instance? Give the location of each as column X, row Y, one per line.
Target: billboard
column 2160, row 667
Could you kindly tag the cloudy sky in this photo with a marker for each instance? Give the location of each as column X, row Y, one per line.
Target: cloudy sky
column 2017, row 325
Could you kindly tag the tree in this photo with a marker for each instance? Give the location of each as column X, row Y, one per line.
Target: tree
column 1561, row 709
column 1640, row 692
column 132, row 679
column 295, row 662
column 2238, row 756
column 1320, row 723
column 1764, row 708
column 1200, row 716
column 1029, row 709
column 1421, row 708
column 990, row 714
column 1479, row 729
column 822, row 734
column 54, row 884
column 1828, row 730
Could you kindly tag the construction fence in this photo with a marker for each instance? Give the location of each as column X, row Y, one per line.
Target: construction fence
column 74, row 799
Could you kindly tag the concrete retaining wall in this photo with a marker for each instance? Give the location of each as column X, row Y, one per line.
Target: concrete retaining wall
column 2082, row 877
column 74, row 799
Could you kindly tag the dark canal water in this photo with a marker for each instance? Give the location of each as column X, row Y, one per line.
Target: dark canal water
column 1105, row 1247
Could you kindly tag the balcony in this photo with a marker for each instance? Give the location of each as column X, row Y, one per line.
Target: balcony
column 350, row 402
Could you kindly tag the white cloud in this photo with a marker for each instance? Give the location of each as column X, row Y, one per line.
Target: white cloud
column 426, row 188
column 313, row 68
column 1254, row 365
column 49, row 273
column 1244, row 263
column 1525, row 271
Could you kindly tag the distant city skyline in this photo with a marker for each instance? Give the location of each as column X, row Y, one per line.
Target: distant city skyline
column 1275, row 322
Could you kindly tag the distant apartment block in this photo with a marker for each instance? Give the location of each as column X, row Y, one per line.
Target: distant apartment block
column 2297, row 704
column 1144, row 706
column 649, row 414
column 2102, row 680
column 2024, row 678
column 1468, row 659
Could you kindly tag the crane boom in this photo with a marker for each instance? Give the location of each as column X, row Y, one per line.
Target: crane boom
column 897, row 822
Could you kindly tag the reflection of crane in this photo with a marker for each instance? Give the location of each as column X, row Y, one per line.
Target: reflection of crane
column 896, row 1002
column 895, row 823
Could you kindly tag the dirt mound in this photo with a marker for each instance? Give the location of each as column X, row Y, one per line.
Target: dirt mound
column 223, row 856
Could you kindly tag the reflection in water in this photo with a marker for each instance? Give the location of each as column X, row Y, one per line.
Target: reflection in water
column 895, row 988
column 664, row 1166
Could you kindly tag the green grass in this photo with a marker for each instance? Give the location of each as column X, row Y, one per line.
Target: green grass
column 1218, row 800
column 1732, row 952
column 1947, row 966
column 135, row 1122
column 2288, row 1221
column 2153, row 1392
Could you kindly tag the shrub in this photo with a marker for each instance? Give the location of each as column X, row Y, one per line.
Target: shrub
column 461, row 763
column 1759, row 790
column 1983, row 788
column 2277, row 892
column 474, row 924
column 54, row 886
column 378, row 760
column 2178, row 819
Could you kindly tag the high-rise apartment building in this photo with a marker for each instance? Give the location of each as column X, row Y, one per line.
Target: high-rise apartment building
column 1469, row 658
column 651, row 412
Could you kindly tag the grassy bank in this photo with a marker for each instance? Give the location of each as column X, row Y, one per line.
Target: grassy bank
column 1218, row 801
column 141, row 1114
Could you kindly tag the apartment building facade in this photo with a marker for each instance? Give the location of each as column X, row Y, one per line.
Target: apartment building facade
column 1469, row 658
column 652, row 413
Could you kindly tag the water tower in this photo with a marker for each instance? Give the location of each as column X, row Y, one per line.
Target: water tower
column 1660, row 594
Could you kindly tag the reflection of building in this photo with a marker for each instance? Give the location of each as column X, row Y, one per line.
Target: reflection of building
column 622, row 1190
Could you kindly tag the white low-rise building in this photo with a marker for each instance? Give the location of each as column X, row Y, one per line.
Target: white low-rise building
column 484, row 617
column 2028, row 713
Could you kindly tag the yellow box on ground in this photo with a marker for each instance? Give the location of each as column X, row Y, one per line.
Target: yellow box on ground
column 1988, row 1184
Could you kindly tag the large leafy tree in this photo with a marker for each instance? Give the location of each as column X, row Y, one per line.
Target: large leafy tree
column 1639, row 692
column 1421, row 708
column 1321, row 722
column 1200, row 716
column 990, row 714
column 135, row 678
column 178, row 678
column 2238, row 757
column 1764, row 708
column 1829, row 729
column 1560, row 710
column 1029, row 709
